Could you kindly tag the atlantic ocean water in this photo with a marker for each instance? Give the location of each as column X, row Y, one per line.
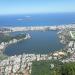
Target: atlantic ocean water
column 37, row 19
column 41, row 42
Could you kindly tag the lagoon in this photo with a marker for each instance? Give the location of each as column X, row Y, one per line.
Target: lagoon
column 40, row 43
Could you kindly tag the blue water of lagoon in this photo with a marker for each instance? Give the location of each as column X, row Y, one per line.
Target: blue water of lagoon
column 40, row 43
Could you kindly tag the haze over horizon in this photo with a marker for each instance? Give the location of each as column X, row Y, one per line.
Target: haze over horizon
column 36, row 6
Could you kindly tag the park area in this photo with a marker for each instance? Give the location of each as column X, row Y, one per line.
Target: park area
column 53, row 68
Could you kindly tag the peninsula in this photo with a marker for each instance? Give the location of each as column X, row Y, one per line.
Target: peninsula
column 8, row 39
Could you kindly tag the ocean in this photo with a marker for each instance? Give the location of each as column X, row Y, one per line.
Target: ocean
column 37, row 19
column 41, row 42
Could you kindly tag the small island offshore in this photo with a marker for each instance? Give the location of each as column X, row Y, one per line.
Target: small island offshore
column 54, row 63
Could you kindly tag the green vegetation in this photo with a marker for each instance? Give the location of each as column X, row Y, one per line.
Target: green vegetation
column 44, row 68
column 20, row 36
column 2, row 56
column 73, row 32
column 68, row 69
column 73, row 35
column 7, row 38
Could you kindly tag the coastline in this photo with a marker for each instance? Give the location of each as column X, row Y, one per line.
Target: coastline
column 37, row 28
column 33, row 28
column 28, row 59
column 3, row 45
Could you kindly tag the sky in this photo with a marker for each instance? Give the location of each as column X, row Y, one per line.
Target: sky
column 36, row 6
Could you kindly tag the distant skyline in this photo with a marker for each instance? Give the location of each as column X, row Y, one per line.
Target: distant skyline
column 36, row 6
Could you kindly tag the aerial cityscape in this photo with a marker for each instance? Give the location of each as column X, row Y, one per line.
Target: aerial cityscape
column 37, row 37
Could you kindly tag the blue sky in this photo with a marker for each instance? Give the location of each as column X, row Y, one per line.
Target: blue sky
column 36, row 6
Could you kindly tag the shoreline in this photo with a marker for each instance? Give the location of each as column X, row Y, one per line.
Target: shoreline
column 28, row 59
column 32, row 28
column 3, row 45
column 60, row 28
column 36, row 28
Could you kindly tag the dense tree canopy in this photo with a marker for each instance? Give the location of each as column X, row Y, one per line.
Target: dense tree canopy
column 44, row 68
